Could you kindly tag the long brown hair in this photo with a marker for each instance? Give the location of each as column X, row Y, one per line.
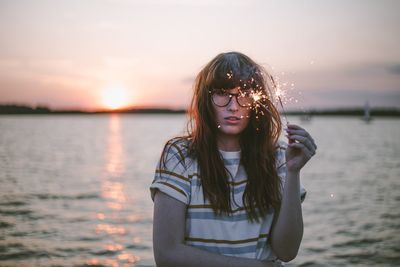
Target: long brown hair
column 258, row 141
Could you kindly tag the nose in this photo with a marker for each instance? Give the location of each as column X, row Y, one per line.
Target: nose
column 233, row 104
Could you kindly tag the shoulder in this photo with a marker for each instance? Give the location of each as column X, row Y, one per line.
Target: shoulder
column 181, row 142
column 177, row 148
column 178, row 145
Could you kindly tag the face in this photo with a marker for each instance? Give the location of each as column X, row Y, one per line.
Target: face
column 233, row 118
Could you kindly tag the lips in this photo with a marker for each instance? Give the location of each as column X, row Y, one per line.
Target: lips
column 232, row 118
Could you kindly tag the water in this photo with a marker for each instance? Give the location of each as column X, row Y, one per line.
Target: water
column 74, row 190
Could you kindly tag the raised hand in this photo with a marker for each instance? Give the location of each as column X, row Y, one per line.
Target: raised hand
column 301, row 147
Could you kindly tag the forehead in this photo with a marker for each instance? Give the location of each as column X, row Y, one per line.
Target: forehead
column 226, row 77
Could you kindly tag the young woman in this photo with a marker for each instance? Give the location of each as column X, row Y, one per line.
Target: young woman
column 228, row 193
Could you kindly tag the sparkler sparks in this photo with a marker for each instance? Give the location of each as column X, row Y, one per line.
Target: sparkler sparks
column 280, row 93
column 229, row 75
column 254, row 88
column 258, row 98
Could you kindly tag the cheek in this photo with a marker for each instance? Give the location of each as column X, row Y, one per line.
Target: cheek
column 218, row 114
column 246, row 115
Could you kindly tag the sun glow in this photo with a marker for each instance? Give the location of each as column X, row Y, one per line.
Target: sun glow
column 114, row 97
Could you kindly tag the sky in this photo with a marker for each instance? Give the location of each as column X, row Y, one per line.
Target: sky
column 94, row 54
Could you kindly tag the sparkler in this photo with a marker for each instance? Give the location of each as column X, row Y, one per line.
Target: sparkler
column 279, row 92
column 284, row 112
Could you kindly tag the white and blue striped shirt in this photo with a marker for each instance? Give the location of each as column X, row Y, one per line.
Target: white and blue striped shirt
column 231, row 235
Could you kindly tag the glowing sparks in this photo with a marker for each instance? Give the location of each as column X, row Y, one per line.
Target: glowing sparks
column 281, row 92
column 274, row 91
column 229, row 75
column 257, row 96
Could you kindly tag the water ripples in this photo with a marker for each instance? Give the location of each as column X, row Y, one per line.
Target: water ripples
column 78, row 196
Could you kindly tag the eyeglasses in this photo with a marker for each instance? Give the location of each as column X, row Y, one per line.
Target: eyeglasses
column 222, row 98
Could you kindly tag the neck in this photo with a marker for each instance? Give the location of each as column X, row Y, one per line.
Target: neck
column 228, row 143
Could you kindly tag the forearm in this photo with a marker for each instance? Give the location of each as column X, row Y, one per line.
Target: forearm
column 288, row 230
column 183, row 255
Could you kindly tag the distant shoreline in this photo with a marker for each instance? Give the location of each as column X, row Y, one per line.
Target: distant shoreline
column 22, row 109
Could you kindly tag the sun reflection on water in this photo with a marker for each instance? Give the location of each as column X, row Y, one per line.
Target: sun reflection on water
column 110, row 229
column 115, row 164
column 113, row 247
column 113, row 192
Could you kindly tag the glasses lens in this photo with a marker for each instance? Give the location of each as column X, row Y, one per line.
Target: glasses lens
column 221, row 98
column 244, row 99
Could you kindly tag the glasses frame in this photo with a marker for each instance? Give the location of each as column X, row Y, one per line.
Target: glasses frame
column 231, row 95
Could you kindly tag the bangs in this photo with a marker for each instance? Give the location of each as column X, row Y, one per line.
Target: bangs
column 231, row 72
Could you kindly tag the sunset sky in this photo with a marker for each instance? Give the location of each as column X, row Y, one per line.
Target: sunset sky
column 91, row 54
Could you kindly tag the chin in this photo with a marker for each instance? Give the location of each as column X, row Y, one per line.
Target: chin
column 229, row 131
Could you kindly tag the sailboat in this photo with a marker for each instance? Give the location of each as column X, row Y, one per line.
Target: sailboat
column 367, row 117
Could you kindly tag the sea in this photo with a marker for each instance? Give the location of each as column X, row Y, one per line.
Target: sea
column 74, row 189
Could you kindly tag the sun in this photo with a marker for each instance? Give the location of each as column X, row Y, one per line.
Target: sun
column 114, row 97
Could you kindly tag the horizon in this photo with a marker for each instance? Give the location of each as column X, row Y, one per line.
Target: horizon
column 112, row 54
column 165, row 109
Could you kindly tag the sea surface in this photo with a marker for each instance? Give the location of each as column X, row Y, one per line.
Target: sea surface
column 74, row 190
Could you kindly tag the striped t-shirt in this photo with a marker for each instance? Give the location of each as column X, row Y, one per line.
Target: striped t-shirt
column 231, row 235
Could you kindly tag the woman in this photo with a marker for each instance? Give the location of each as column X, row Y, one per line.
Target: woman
column 229, row 193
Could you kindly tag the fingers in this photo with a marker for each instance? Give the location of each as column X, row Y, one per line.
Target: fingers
column 305, row 150
column 304, row 134
column 303, row 140
column 294, row 129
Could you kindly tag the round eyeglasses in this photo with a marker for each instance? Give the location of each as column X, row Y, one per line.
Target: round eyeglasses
column 222, row 98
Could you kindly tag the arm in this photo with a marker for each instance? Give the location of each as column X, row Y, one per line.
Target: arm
column 287, row 231
column 168, row 240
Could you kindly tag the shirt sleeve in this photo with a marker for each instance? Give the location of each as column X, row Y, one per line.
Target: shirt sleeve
column 171, row 175
column 282, row 168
